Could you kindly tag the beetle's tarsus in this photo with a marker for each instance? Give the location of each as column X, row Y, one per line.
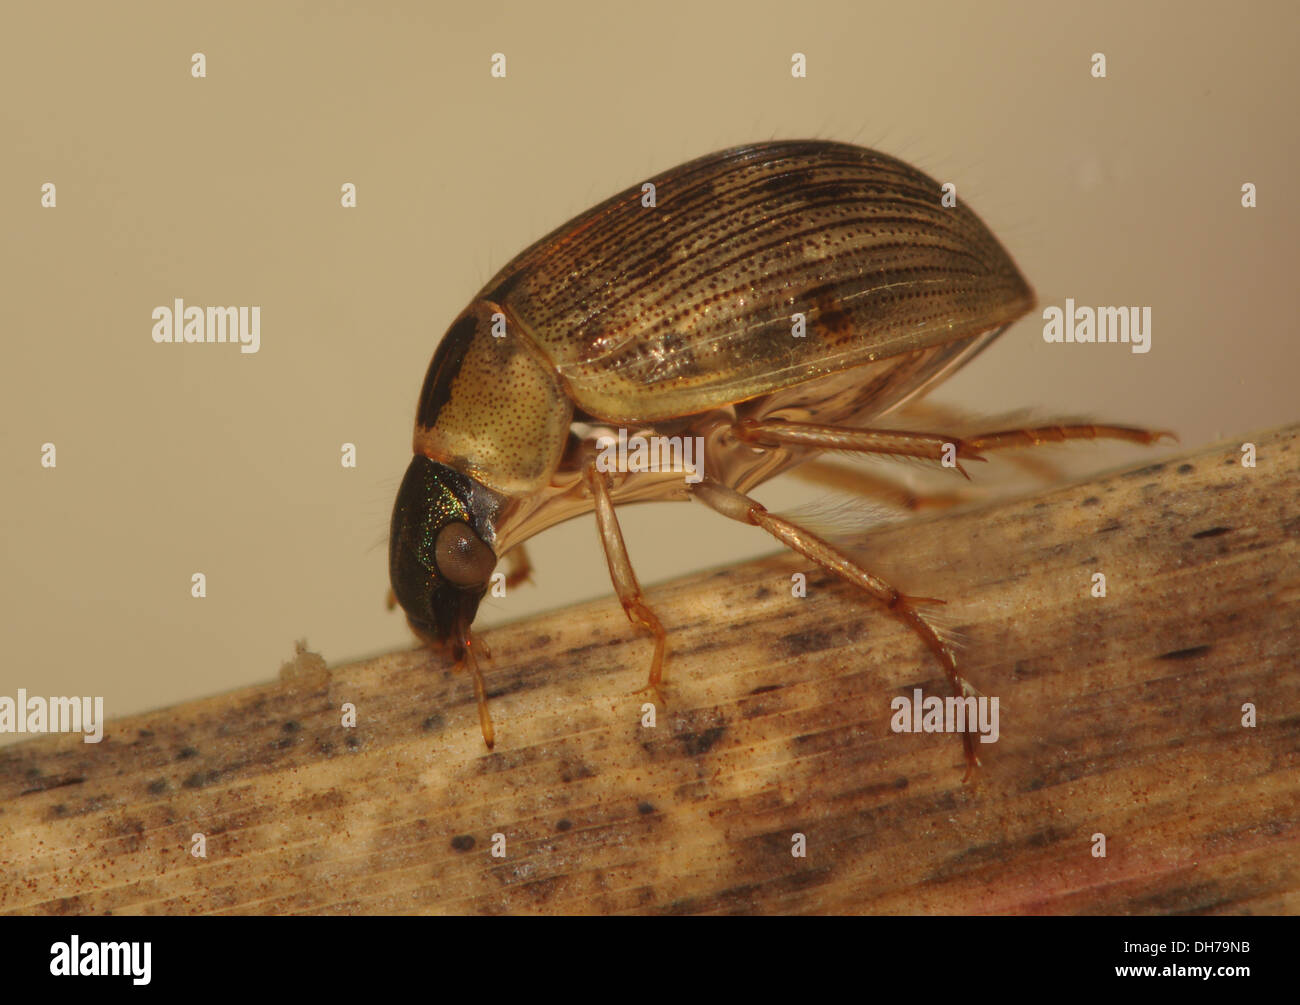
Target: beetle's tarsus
column 657, row 690
column 1037, row 436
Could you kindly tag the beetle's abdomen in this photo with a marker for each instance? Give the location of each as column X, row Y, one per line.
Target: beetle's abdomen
column 652, row 312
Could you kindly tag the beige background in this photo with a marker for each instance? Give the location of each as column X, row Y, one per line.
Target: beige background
column 175, row 459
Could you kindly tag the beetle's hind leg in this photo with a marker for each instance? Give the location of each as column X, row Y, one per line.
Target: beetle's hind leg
column 899, row 443
column 933, row 446
column 625, row 581
column 733, row 504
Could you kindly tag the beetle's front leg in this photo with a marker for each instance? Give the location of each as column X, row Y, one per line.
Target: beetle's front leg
column 733, row 504
column 620, row 571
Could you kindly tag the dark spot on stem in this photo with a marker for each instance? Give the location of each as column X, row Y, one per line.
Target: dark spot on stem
column 1212, row 532
column 570, row 770
column 463, row 842
column 75, row 780
column 434, row 723
column 1185, row 654
column 702, row 742
column 811, row 641
column 1150, row 469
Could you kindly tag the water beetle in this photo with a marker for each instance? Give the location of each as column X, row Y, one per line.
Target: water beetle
column 771, row 300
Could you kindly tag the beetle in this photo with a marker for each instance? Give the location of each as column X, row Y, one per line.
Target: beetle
column 773, row 299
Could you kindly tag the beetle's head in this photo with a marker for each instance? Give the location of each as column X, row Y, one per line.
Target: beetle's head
column 438, row 557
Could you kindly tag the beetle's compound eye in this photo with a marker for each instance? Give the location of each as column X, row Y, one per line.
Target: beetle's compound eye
column 462, row 557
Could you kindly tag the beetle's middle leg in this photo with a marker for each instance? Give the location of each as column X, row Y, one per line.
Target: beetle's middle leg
column 733, row 504
column 620, row 571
